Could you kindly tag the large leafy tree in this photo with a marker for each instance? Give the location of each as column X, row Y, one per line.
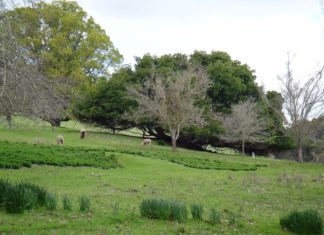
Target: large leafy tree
column 65, row 42
column 232, row 81
column 106, row 102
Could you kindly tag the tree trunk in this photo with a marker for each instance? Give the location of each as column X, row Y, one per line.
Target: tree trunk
column 174, row 143
column 300, row 154
column 243, row 148
column 9, row 120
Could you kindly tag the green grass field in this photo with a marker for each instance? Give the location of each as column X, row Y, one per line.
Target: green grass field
column 251, row 194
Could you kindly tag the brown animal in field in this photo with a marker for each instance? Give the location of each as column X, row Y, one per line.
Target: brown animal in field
column 83, row 133
column 146, row 142
column 60, row 140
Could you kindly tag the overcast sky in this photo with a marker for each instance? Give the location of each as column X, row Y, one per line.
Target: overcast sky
column 256, row 32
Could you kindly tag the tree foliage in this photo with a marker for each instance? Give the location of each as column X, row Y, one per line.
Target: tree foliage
column 63, row 43
column 232, row 81
column 67, row 42
column 106, row 103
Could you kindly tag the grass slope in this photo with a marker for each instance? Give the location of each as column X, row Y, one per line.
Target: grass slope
column 255, row 199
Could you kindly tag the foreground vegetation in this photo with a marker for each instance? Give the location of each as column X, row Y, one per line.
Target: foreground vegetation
column 239, row 202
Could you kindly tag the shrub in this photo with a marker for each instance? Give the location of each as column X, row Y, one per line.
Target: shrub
column 40, row 192
column 178, row 211
column 20, row 196
column 161, row 142
column 155, row 209
column 67, row 203
column 115, row 209
column 14, row 200
column 84, row 202
column 51, row 201
column 197, row 211
column 303, row 222
column 163, row 209
column 4, row 185
column 214, row 216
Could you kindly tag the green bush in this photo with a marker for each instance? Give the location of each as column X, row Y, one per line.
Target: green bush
column 15, row 198
column 51, row 201
column 84, row 202
column 178, row 211
column 67, row 203
column 307, row 222
column 40, row 192
column 15, row 201
column 161, row 142
column 214, row 216
column 197, row 211
column 163, row 210
column 4, row 186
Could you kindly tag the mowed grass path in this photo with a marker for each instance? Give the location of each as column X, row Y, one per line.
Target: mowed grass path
column 258, row 198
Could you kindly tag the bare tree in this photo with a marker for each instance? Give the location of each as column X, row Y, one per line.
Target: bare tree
column 301, row 103
column 245, row 124
column 23, row 89
column 171, row 100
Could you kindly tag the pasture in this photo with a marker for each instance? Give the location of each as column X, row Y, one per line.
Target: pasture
column 116, row 172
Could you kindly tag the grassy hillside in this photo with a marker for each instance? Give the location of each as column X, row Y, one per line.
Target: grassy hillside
column 251, row 194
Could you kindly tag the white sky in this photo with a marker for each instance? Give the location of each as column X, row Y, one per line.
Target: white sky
column 256, row 32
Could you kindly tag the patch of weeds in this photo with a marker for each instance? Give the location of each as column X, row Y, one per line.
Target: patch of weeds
column 51, row 201
column 232, row 217
column 115, row 209
column 178, row 211
column 303, row 222
column 163, row 209
column 84, row 203
column 17, row 197
column 67, row 203
column 214, row 216
column 197, row 211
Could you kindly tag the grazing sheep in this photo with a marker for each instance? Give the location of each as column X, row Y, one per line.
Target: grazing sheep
column 60, row 140
column 146, row 142
column 83, row 133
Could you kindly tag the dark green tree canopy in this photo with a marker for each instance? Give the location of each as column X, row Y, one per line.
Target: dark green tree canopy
column 232, row 81
column 106, row 103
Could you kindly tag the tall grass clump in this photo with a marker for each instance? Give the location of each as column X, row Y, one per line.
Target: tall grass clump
column 84, row 202
column 40, row 192
column 197, row 211
column 51, row 201
column 163, row 209
column 178, row 211
column 17, row 197
column 214, row 216
column 4, row 185
column 67, row 203
column 303, row 222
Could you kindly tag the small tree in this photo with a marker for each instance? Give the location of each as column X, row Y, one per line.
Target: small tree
column 302, row 102
column 171, row 100
column 245, row 124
